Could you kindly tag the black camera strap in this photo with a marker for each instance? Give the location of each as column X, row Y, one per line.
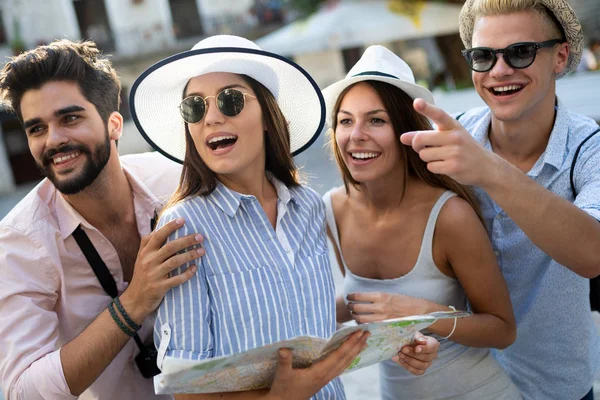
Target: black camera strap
column 100, row 269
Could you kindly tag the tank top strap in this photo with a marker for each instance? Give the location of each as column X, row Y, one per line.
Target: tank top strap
column 427, row 242
column 330, row 218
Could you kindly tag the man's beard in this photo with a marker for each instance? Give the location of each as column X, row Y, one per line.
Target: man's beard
column 94, row 164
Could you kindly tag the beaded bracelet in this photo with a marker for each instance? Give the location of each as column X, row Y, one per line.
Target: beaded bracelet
column 126, row 317
column 454, row 327
column 128, row 331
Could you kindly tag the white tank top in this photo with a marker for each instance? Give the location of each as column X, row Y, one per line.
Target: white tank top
column 460, row 371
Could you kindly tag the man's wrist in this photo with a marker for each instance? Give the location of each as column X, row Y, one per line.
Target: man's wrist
column 135, row 312
column 496, row 174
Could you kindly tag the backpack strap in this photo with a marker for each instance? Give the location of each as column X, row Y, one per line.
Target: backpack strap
column 575, row 161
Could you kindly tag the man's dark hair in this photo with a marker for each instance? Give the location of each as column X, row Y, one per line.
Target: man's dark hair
column 62, row 60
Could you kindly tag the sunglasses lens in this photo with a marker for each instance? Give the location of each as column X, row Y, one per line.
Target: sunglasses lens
column 481, row 60
column 521, row 55
column 192, row 109
column 230, row 102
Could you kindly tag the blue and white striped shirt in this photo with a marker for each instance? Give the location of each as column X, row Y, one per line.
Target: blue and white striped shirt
column 255, row 285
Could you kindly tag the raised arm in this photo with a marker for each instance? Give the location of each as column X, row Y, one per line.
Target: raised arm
column 565, row 232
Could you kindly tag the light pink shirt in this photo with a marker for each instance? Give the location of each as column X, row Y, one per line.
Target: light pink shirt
column 49, row 293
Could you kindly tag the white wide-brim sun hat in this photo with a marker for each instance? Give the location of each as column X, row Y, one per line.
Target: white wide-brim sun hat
column 562, row 10
column 377, row 64
column 156, row 94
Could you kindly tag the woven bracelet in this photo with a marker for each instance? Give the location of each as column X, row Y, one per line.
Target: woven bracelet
column 126, row 317
column 128, row 331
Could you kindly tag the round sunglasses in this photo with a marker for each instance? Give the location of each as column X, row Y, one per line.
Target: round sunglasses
column 230, row 102
column 517, row 55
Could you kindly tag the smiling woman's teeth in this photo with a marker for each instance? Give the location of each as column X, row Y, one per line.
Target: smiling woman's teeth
column 219, row 138
column 364, row 156
column 65, row 158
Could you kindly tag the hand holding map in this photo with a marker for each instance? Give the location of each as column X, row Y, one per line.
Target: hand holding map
column 254, row 369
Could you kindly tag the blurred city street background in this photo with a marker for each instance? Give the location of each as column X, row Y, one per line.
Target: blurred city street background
column 326, row 37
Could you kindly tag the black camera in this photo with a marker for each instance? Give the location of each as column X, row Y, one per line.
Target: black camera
column 146, row 361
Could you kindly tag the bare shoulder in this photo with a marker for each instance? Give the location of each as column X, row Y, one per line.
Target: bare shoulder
column 457, row 217
column 339, row 199
column 338, row 193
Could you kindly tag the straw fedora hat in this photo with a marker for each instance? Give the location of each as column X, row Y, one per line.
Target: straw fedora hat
column 156, row 94
column 561, row 10
column 377, row 64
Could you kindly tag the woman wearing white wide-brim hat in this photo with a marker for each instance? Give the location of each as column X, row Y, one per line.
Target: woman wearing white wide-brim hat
column 410, row 241
column 233, row 115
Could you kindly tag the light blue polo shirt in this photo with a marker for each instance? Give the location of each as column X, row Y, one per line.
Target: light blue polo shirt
column 557, row 350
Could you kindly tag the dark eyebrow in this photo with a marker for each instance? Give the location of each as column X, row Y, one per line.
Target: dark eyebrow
column 68, row 110
column 57, row 113
column 31, row 122
column 372, row 112
column 232, row 86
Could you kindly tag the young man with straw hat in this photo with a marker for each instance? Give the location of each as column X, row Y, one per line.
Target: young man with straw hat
column 541, row 209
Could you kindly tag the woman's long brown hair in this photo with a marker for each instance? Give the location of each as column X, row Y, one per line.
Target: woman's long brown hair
column 404, row 118
column 198, row 180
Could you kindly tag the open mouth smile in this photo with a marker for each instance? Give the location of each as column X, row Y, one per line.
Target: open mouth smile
column 61, row 159
column 506, row 90
column 221, row 142
column 364, row 156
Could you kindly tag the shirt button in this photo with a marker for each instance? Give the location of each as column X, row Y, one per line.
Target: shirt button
column 287, row 249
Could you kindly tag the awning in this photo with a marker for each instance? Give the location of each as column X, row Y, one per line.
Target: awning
column 358, row 23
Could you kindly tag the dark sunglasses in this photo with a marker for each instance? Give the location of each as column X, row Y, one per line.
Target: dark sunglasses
column 517, row 55
column 230, row 102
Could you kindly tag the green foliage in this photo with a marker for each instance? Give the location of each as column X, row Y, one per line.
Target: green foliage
column 305, row 7
column 17, row 44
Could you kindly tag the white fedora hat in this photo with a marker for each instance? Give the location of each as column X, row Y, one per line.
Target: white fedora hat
column 156, row 94
column 377, row 64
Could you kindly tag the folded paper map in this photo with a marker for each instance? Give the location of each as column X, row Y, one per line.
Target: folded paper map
column 255, row 369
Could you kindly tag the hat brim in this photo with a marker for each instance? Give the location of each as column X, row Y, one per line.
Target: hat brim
column 332, row 92
column 563, row 12
column 156, row 94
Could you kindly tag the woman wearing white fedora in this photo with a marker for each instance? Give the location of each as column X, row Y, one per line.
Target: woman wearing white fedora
column 410, row 241
column 234, row 115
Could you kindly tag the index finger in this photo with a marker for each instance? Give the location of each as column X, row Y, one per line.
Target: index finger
column 441, row 118
column 159, row 236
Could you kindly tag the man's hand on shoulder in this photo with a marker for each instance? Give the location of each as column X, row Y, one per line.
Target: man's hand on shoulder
column 155, row 261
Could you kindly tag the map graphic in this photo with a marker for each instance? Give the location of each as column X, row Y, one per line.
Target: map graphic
column 255, row 369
